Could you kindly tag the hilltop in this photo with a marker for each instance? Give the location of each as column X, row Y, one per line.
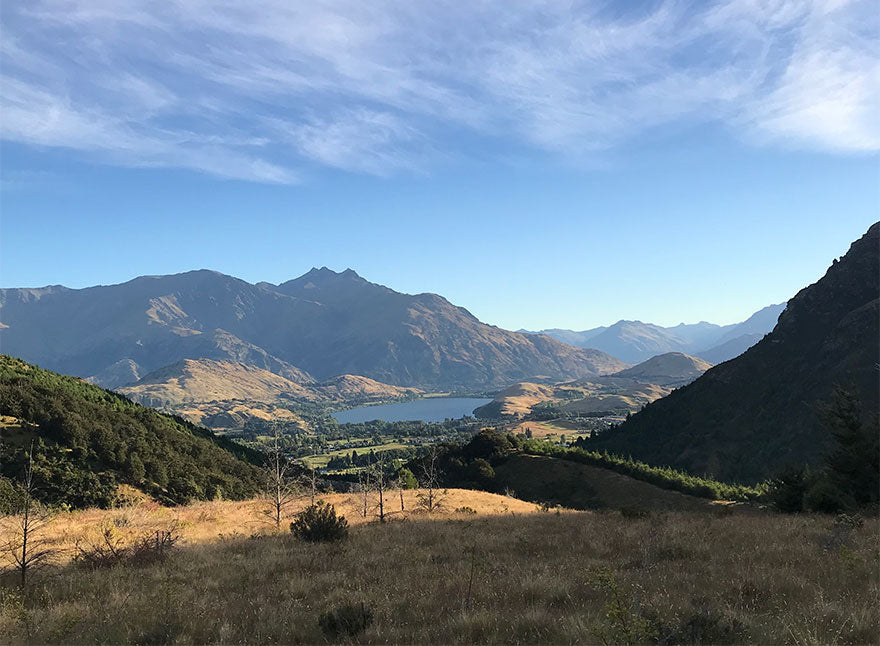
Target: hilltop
column 517, row 399
column 670, row 369
column 750, row 417
column 318, row 326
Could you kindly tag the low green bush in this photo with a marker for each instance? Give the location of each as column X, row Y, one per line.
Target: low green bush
column 319, row 523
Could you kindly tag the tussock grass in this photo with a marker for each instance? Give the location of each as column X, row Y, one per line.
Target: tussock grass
column 676, row 577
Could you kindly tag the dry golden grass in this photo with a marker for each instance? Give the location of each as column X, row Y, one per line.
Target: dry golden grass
column 544, row 429
column 533, row 578
column 207, row 522
column 206, row 380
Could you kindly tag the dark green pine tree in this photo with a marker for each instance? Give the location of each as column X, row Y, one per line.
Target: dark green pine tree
column 854, row 465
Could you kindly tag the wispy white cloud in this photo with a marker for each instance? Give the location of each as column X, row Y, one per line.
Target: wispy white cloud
column 263, row 91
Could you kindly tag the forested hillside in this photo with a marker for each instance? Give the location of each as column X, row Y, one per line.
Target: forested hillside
column 88, row 440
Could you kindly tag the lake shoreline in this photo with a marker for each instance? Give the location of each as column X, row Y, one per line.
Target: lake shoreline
column 425, row 409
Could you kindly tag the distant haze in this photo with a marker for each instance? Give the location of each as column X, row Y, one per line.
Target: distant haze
column 635, row 341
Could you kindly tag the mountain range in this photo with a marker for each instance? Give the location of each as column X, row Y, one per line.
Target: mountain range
column 750, row 417
column 310, row 329
column 635, row 341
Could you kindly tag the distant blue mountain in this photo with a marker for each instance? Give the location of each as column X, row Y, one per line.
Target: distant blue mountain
column 635, row 341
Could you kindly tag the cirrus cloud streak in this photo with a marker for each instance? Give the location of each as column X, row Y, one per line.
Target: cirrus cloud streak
column 268, row 91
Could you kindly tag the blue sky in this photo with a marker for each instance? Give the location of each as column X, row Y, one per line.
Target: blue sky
column 549, row 165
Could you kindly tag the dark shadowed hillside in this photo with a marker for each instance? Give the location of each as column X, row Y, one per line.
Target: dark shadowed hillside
column 324, row 323
column 730, row 349
column 748, row 418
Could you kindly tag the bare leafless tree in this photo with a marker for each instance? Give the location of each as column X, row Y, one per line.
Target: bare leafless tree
column 379, row 478
column 281, row 490
column 398, row 484
column 431, row 497
column 310, row 482
column 364, row 489
column 26, row 549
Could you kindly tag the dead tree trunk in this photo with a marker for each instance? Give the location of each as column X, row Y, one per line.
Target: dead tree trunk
column 431, row 477
column 364, row 486
column 379, row 479
column 279, row 488
column 26, row 549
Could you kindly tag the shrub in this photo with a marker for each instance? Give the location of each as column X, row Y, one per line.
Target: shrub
column 346, row 620
column 853, row 521
column 705, row 626
column 318, row 523
column 623, row 622
column 634, row 512
column 407, row 479
column 9, row 495
column 825, row 496
column 786, row 491
column 840, row 534
column 465, row 510
column 111, row 551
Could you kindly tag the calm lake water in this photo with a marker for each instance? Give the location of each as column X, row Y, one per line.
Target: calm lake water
column 427, row 410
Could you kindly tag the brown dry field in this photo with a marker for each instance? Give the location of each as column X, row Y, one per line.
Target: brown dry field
column 206, row 522
column 514, row 577
column 543, row 429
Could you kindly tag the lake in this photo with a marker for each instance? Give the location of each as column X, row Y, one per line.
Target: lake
column 435, row 409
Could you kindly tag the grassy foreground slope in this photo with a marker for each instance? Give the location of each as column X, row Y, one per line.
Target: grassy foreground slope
column 585, row 577
column 88, row 440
